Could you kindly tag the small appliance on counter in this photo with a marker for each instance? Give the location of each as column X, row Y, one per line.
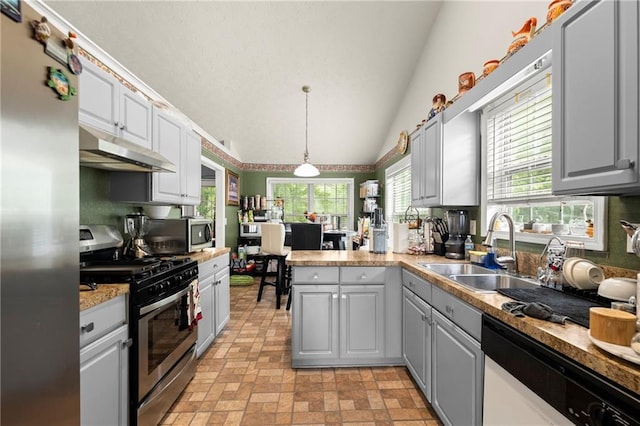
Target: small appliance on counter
column 179, row 236
column 458, row 224
column 379, row 232
column 136, row 226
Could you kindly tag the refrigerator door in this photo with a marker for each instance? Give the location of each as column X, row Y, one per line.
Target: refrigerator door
column 39, row 219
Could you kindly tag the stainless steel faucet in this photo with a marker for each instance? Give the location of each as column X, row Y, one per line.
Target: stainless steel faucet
column 509, row 261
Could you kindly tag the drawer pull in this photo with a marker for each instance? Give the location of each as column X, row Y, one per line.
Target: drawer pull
column 449, row 309
column 363, row 276
column 411, row 284
column 88, row 327
column 127, row 343
column 315, row 276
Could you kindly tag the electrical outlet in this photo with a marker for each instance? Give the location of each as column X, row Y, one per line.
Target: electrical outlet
column 472, row 227
column 629, row 249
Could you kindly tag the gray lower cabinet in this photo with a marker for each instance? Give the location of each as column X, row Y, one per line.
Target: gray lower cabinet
column 457, row 374
column 442, row 351
column 595, row 74
column 314, row 333
column 362, row 321
column 104, row 368
column 222, row 300
column 416, row 347
column 214, row 300
column 346, row 316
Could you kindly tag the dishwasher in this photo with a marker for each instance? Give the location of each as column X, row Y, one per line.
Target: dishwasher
column 528, row 383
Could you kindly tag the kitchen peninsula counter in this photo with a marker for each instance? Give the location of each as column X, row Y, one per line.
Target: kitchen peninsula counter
column 569, row 339
column 208, row 253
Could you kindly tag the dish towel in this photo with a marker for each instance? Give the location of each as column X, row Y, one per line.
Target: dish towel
column 535, row 310
column 195, row 311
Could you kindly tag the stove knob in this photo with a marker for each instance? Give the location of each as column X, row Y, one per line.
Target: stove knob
column 151, row 290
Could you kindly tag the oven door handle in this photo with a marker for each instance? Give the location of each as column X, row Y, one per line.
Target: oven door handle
column 164, row 302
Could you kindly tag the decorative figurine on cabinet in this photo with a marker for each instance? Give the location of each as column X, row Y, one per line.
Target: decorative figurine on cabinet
column 523, row 36
column 42, row 30
column 466, row 81
column 557, row 8
column 439, row 104
column 489, row 66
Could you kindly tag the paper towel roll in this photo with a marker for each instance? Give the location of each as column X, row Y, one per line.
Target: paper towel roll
column 400, row 237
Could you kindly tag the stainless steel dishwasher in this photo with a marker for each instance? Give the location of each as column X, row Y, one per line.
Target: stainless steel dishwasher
column 582, row 396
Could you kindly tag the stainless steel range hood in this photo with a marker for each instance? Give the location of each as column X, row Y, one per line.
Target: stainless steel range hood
column 103, row 151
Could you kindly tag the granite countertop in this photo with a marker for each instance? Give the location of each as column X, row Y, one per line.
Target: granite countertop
column 569, row 339
column 105, row 292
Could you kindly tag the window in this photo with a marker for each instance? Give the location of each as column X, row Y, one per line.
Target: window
column 398, row 194
column 323, row 196
column 517, row 159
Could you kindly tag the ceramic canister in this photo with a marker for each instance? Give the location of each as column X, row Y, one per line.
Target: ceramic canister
column 489, row 66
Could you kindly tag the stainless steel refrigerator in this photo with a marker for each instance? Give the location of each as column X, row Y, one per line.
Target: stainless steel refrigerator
column 39, row 220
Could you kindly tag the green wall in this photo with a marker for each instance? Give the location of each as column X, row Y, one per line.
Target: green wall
column 96, row 208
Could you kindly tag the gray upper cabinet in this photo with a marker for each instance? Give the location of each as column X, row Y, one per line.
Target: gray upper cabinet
column 445, row 161
column 176, row 143
column 595, row 98
column 106, row 104
column 182, row 147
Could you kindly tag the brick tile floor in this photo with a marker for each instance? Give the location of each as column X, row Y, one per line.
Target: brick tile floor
column 245, row 378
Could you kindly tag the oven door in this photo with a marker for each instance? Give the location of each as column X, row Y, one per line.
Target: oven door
column 164, row 336
column 200, row 234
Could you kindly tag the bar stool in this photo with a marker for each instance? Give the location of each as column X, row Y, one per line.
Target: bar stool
column 273, row 248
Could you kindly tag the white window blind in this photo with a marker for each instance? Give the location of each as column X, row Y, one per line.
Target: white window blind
column 400, row 191
column 519, row 143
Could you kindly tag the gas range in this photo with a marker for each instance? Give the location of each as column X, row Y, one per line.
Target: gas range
column 150, row 279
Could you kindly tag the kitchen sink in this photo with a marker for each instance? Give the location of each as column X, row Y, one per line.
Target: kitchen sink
column 490, row 283
column 456, row 268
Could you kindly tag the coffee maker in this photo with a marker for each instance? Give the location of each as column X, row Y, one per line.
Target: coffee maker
column 379, row 233
column 458, row 224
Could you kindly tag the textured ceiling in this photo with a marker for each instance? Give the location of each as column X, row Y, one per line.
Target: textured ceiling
column 236, row 69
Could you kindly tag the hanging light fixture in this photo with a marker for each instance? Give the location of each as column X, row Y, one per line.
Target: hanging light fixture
column 306, row 169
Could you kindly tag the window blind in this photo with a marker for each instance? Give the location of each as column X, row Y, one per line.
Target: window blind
column 519, row 143
column 399, row 187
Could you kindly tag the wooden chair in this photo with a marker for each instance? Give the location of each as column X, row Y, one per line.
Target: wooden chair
column 273, row 248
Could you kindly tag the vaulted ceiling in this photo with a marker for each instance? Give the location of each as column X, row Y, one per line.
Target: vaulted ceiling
column 236, row 68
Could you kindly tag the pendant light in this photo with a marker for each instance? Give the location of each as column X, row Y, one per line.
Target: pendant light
column 306, row 169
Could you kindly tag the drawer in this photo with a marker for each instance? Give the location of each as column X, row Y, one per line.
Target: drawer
column 102, row 319
column 210, row 267
column 465, row 316
column 316, row 275
column 417, row 285
column 362, row 275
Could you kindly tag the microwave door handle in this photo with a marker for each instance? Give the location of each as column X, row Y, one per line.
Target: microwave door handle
column 207, row 232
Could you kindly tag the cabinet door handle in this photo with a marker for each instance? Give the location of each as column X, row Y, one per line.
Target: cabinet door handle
column 344, row 297
column 127, row 343
column 335, row 295
column 88, row 328
column 624, row 164
column 122, row 126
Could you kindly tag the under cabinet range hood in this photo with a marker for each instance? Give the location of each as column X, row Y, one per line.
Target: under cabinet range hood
column 103, row 151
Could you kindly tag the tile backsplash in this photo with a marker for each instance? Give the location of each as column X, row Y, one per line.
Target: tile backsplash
column 95, row 205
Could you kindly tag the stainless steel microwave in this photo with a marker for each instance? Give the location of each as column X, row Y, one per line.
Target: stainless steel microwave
column 251, row 230
column 179, row 236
